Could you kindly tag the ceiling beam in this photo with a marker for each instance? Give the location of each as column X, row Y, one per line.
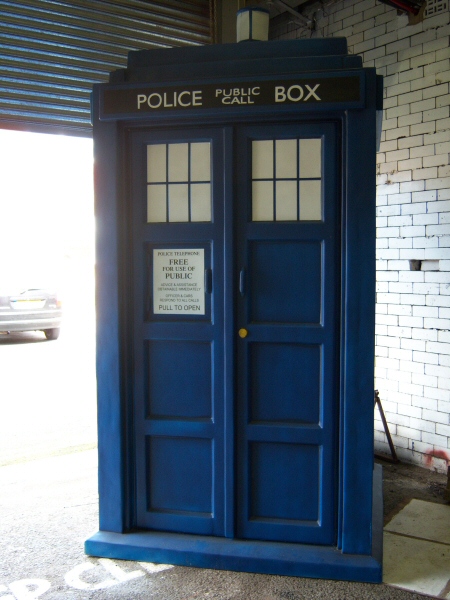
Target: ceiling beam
column 226, row 20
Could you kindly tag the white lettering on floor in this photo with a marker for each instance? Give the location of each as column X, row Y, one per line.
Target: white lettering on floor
column 27, row 589
column 106, row 571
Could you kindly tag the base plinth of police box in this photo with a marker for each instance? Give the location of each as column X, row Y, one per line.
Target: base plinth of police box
column 298, row 560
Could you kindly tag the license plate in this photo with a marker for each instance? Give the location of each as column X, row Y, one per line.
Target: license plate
column 27, row 304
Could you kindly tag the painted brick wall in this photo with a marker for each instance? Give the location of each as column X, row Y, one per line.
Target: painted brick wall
column 413, row 217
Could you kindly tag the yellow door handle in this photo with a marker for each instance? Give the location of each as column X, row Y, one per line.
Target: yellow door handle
column 243, row 333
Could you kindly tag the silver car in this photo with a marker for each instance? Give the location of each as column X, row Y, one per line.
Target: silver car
column 30, row 310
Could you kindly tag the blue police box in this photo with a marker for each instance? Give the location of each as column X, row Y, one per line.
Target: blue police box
column 235, row 211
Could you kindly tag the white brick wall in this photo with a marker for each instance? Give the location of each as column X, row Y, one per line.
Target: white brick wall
column 413, row 217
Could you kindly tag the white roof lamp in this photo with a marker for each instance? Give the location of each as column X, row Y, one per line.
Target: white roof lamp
column 252, row 24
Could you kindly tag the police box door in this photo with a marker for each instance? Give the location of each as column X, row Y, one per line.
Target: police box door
column 235, row 322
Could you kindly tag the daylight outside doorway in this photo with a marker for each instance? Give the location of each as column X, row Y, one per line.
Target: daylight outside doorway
column 47, row 388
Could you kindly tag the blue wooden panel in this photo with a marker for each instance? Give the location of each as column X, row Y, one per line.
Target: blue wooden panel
column 271, row 366
column 178, row 360
column 234, row 52
column 270, row 469
column 179, row 379
column 179, row 477
column 300, row 560
column 289, row 361
column 285, row 482
column 285, row 281
column 112, row 457
column 359, row 327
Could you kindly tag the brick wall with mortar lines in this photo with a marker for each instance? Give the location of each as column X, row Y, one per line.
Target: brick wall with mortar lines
column 413, row 216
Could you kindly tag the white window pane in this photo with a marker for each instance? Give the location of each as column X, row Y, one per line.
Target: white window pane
column 286, row 159
column 201, row 202
column 311, row 158
column 156, row 163
column 156, row 204
column 310, row 201
column 262, row 159
column 262, row 201
column 259, row 25
column 201, row 161
column 286, row 201
column 243, row 25
column 178, row 203
column 178, row 162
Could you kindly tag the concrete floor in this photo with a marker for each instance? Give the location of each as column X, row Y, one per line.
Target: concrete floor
column 417, row 549
column 49, row 507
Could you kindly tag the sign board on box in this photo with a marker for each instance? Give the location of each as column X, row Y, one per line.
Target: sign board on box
column 179, row 281
column 303, row 90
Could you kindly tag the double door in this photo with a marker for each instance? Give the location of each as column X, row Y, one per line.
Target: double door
column 234, row 313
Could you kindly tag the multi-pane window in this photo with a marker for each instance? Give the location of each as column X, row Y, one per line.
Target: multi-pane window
column 179, row 182
column 287, row 180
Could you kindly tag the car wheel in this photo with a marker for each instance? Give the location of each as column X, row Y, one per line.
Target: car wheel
column 52, row 334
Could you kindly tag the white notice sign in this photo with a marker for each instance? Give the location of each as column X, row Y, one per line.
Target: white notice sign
column 179, row 281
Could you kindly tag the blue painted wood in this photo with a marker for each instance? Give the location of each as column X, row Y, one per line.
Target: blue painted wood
column 113, row 508
column 229, row 367
column 359, row 328
column 377, row 514
column 195, row 440
column 257, row 50
column 287, row 466
column 271, row 400
column 178, row 366
column 236, row 68
column 237, row 555
column 300, row 560
column 278, row 292
column 192, row 394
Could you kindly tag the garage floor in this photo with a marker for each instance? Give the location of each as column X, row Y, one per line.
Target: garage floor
column 417, row 530
column 417, row 549
column 402, row 482
column 49, row 507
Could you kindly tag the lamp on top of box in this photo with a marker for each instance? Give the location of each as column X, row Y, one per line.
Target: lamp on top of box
column 252, row 24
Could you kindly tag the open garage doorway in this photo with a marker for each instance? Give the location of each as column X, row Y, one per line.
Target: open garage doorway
column 47, row 387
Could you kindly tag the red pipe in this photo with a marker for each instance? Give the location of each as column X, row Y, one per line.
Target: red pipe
column 405, row 6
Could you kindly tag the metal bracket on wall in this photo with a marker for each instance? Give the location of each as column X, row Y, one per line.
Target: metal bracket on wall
column 393, row 457
column 415, row 9
column 297, row 18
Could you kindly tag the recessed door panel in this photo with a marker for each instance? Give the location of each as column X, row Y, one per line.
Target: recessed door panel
column 271, row 367
column 285, row 483
column 186, row 396
column 174, row 463
column 285, row 281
